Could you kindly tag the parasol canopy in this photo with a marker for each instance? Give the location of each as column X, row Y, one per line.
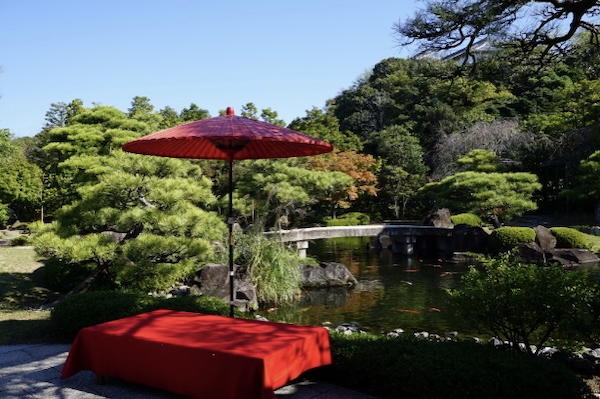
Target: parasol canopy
column 228, row 137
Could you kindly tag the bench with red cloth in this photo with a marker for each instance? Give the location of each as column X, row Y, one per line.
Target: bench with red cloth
column 199, row 355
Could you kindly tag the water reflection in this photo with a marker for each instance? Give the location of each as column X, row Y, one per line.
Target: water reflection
column 393, row 291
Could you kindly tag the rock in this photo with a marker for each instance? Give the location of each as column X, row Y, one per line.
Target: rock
column 544, row 238
column 213, row 280
column 532, row 253
column 578, row 363
column 326, row 274
column 567, row 257
column 574, row 256
column 440, row 218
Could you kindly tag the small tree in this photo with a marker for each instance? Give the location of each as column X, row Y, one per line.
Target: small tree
column 588, row 186
column 525, row 303
column 487, row 195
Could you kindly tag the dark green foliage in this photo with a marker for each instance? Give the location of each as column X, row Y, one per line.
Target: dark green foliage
column 406, row 367
column 64, row 277
column 526, row 303
column 466, row 218
column 567, row 237
column 349, row 219
column 20, row 241
column 507, row 237
column 94, row 307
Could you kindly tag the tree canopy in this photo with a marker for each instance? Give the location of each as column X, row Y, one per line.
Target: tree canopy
column 551, row 25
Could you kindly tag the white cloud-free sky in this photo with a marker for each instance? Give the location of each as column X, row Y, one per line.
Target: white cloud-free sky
column 285, row 55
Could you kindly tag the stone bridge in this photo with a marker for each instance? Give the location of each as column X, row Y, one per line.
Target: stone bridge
column 403, row 239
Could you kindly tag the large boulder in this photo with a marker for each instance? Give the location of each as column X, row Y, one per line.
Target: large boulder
column 567, row 257
column 544, row 238
column 439, row 218
column 326, row 274
column 213, row 280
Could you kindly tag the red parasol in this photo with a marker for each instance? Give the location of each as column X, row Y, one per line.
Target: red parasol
column 228, row 137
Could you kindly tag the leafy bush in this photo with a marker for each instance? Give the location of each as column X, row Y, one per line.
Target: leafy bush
column 525, row 303
column 567, row 237
column 349, row 219
column 469, row 219
column 64, row 277
column 94, row 307
column 408, row 367
column 20, row 241
column 3, row 215
column 507, row 237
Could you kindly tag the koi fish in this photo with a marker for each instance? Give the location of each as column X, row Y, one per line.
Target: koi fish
column 411, row 270
column 407, row 311
column 434, row 310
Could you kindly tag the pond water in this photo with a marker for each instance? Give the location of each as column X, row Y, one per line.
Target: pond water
column 394, row 291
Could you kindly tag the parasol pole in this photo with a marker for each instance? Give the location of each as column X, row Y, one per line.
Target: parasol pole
column 230, row 222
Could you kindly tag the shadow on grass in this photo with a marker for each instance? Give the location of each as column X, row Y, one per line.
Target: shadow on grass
column 23, row 290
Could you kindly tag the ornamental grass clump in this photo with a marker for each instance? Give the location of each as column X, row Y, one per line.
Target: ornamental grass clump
column 273, row 267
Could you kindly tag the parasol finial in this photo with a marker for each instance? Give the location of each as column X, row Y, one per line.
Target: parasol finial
column 229, row 111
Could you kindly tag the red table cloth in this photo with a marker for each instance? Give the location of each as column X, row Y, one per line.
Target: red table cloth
column 199, row 355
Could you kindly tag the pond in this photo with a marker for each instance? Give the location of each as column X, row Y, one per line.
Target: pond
column 394, row 291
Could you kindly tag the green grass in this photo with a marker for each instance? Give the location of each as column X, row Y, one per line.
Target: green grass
column 22, row 289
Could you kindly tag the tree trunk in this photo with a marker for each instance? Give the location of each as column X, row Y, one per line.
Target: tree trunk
column 597, row 213
column 495, row 221
column 81, row 287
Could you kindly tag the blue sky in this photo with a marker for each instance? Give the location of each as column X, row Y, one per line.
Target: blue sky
column 284, row 55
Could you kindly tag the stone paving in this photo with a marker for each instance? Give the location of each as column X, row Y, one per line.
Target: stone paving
column 33, row 372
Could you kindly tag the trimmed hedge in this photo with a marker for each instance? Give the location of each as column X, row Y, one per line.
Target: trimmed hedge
column 567, row 237
column 409, row 367
column 95, row 307
column 507, row 237
column 349, row 219
column 469, row 219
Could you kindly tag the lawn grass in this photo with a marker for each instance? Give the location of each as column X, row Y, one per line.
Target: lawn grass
column 22, row 291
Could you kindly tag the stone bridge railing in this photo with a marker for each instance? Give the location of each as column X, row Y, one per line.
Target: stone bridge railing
column 403, row 237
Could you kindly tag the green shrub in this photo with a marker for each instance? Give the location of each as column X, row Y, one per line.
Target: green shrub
column 507, row 237
column 526, row 303
column 469, row 219
column 408, row 367
column 64, row 277
column 349, row 219
column 94, row 307
column 567, row 237
column 20, row 241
